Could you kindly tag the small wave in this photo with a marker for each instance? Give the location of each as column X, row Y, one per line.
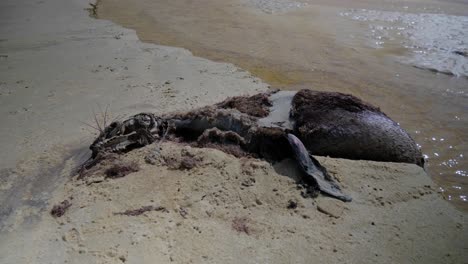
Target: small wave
column 436, row 42
column 275, row 6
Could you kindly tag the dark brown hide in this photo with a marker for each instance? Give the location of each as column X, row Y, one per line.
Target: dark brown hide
column 257, row 105
column 226, row 141
column 270, row 143
column 343, row 126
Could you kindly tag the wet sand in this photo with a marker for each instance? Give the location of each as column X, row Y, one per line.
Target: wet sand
column 314, row 47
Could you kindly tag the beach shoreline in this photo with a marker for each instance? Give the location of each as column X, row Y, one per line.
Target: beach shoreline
column 374, row 50
column 60, row 70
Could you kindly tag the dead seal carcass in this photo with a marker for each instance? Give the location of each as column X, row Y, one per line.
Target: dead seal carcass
column 275, row 125
column 343, row 126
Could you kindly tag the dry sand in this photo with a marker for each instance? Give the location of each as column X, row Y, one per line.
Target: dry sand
column 57, row 64
column 229, row 210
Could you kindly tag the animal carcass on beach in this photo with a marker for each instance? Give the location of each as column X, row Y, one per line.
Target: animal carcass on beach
column 274, row 125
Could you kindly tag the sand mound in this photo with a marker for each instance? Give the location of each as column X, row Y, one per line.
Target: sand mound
column 196, row 205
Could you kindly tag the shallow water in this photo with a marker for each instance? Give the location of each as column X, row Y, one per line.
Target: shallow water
column 274, row 6
column 331, row 45
column 438, row 42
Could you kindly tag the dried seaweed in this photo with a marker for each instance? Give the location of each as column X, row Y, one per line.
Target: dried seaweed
column 122, row 170
column 59, row 209
column 240, row 225
column 141, row 210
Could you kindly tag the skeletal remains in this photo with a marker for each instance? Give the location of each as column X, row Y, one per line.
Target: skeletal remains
column 274, row 125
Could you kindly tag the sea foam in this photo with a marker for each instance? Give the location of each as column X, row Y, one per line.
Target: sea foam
column 436, row 42
column 274, row 6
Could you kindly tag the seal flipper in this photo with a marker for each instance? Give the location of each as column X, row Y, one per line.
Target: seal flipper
column 313, row 169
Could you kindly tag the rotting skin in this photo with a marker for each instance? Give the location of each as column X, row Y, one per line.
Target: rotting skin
column 319, row 123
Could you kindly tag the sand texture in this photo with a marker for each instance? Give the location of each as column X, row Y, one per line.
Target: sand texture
column 59, row 66
column 182, row 205
column 220, row 209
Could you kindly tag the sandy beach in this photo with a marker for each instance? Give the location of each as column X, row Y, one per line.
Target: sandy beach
column 59, row 68
column 390, row 53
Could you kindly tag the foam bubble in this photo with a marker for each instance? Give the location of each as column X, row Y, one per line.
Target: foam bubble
column 437, row 42
column 275, row 6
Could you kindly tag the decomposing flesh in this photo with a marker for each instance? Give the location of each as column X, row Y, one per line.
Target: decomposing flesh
column 275, row 125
